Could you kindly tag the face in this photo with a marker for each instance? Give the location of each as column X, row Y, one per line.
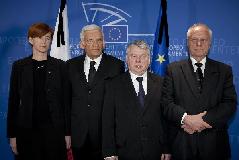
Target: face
column 93, row 43
column 199, row 42
column 138, row 60
column 41, row 44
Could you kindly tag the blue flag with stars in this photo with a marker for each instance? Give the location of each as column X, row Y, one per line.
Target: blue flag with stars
column 161, row 42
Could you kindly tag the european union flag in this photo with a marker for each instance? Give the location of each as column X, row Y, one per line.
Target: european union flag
column 161, row 42
column 115, row 33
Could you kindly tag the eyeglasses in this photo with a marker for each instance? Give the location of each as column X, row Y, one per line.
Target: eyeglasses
column 197, row 40
column 91, row 41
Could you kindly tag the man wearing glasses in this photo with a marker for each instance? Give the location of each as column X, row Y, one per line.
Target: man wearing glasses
column 199, row 98
column 88, row 74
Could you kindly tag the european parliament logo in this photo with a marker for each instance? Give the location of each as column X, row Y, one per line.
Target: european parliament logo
column 111, row 19
column 115, row 33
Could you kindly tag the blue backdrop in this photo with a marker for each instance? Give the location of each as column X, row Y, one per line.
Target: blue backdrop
column 131, row 19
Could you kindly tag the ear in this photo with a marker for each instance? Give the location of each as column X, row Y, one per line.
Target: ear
column 149, row 60
column 30, row 39
column 82, row 44
column 103, row 44
column 126, row 58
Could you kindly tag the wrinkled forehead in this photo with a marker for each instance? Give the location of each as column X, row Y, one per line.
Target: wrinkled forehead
column 199, row 31
column 135, row 49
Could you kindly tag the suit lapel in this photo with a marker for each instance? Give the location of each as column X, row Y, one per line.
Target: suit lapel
column 189, row 77
column 151, row 90
column 102, row 70
column 51, row 70
column 131, row 95
column 210, row 81
column 80, row 70
column 28, row 72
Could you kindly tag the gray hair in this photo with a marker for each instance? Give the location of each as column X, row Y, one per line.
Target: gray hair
column 190, row 30
column 139, row 43
column 88, row 28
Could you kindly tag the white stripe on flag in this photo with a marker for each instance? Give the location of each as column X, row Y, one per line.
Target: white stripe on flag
column 63, row 51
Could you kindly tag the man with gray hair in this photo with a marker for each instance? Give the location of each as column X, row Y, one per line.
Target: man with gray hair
column 88, row 74
column 133, row 126
column 199, row 99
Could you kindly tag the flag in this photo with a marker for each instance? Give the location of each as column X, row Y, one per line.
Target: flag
column 115, row 33
column 60, row 42
column 161, row 42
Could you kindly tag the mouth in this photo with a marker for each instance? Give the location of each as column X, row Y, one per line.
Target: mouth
column 138, row 66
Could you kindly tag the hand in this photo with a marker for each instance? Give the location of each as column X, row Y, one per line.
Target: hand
column 165, row 156
column 187, row 129
column 111, row 158
column 68, row 142
column 195, row 122
column 13, row 144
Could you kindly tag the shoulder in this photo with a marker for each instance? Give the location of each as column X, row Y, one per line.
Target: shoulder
column 21, row 62
column 112, row 59
column 117, row 81
column 76, row 60
column 221, row 66
column 55, row 60
column 155, row 77
column 177, row 64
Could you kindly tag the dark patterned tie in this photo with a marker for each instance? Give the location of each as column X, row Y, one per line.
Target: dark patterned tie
column 141, row 92
column 92, row 72
column 199, row 76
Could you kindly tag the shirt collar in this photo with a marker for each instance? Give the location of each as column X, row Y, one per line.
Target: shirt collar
column 97, row 60
column 203, row 61
column 134, row 76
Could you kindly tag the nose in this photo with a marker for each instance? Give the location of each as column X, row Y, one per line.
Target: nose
column 138, row 59
column 199, row 43
column 43, row 40
column 95, row 44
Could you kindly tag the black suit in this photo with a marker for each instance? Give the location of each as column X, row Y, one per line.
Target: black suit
column 218, row 98
column 87, row 101
column 20, row 122
column 130, row 131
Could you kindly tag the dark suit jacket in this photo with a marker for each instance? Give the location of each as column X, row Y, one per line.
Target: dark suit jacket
column 129, row 131
column 20, row 103
column 87, row 101
column 218, row 98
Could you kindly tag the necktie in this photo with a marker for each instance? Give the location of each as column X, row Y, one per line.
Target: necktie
column 199, row 76
column 141, row 92
column 92, row 72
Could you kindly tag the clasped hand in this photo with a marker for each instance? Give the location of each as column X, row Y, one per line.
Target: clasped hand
column 195, row 123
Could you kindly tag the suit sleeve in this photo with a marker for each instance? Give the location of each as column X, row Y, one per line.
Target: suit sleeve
column 122, row 67
column 65, row 98
column 219, row 114
column 13, row 103
column 108, row 122
column 171, row 110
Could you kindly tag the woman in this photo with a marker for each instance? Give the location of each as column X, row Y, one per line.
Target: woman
column 37, row 122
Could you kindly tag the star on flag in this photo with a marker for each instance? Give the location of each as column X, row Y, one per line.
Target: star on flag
column 160, row 58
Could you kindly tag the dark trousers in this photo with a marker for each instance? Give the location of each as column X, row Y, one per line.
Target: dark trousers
column 40, row 144
column 89, row 151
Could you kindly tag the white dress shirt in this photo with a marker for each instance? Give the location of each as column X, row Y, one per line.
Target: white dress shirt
column 203, row 61
column 136, row 83
column 87, row 64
